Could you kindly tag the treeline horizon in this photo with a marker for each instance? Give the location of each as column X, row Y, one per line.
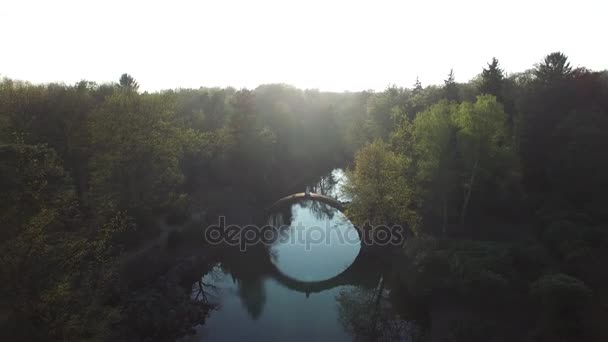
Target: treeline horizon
column 391, row 85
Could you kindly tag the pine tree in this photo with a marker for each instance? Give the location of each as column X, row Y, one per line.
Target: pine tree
column 417, row 86
column 128, row 82
column 553, row 68
column 450, row 88
column 492, row 80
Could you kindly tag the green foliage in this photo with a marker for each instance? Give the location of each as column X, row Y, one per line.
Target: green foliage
column 559, row 290
column 492, row 80
column 433, row 146
column 476, row 270
column 555, row 67
column 485, row 148
column 530, row 260
column 417, row 86
column 127, row 81
column 379, row 188
column 460, row 148
column 450, row 88
column 562, row 297
column 450, row 153
column 137, row 165
column 55, row 271
column 383, row 112
column 582, row 135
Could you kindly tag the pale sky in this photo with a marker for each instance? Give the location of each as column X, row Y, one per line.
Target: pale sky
column 328, row 45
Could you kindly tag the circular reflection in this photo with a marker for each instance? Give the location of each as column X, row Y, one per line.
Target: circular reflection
column 317, row 242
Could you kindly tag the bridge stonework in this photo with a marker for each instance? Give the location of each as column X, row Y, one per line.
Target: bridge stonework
column 310, row 196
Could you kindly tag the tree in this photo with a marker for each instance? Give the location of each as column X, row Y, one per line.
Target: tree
column 127, row 81
column 578, row 168
column 450, row 79
column 483, row 143
column 544, row 104
column 243, row 119
column 450, row 88
column 562, row 300
column 137, row 152
column 492, row 80
column 380, row 191
column 460, row 148
column 55, row 270
column 434, row 154
column 417, row 86
column 383, row 112
column 555, row 67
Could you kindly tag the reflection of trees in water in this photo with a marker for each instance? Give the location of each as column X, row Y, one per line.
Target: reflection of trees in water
column 282, row 219
column 320, row 210
column 326, row 185
column 253, row 295
column 331, row 185
column 201, row 290
column 367, row 315
column 281, row 216
column 248, row 270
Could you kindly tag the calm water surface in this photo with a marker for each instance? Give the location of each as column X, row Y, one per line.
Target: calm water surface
column 297, row 288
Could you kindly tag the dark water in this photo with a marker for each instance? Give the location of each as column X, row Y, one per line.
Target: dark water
column 313, row 284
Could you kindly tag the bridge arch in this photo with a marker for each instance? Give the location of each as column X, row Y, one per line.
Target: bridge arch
column 300, row 196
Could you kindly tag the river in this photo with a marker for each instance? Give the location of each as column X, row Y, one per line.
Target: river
column 313, row 283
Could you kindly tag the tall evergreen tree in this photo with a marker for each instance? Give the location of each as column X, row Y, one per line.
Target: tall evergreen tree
column 417, row 86
column 492, row 80
column 450, row 88
column 554, row 67
column 128, row 82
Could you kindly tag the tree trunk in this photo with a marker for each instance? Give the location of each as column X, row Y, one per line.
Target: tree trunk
column 376, row 310
column 445, row 216
column 467, row 195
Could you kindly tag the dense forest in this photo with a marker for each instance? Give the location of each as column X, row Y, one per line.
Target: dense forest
column 503, row 181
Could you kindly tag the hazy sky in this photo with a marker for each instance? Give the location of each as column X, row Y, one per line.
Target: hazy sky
column 329, row 45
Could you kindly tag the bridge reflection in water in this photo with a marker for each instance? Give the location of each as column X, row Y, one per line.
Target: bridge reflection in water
column 363, row 271
column 267, row 290
column 250, row 269
column 357, row 274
